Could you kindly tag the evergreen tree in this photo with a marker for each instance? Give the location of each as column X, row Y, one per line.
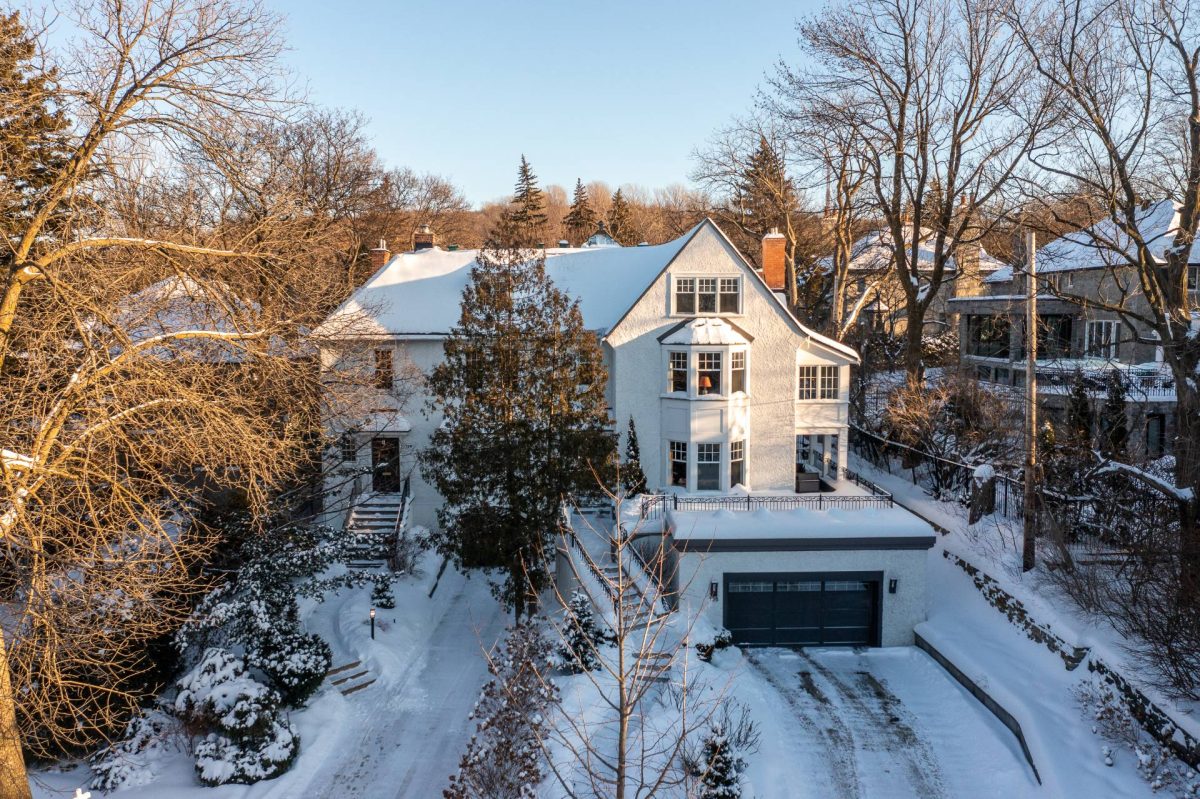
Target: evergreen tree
column 1079, row 412
column 504, row 757
column 1114, row 423
column 765, row 196
column 633, row 479
column 523, row 224
column 620, row 221
column 521, row 390
column 722, row 767
column 580, row 221
column 581, row 637
column 32, row 125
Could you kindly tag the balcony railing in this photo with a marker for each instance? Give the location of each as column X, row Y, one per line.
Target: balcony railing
column 654, row 507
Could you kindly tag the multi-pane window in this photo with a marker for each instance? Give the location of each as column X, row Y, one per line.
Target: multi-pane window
column 1156, row 434
column 729, row 295
column 348, row 447
column 829, row 382
column 679, row 463
column 1102, row 339
column 737, row 463
column 710, row 372
column 677, row 373
column 833, row 455
column 385, row 373
column 708, row 467
column 737, row 372
column 685, row 295
column 808, row 382
column 706, row 289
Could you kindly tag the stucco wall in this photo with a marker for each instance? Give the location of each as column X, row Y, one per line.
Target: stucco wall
column 901, row 611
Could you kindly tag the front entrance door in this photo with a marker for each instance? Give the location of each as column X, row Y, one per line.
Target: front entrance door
column 385, row 465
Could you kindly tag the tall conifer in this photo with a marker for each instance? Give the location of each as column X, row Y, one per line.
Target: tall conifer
column 524, row 223
column 580, row 221
column 620, row 220
column 522, row 393
column 633, row 478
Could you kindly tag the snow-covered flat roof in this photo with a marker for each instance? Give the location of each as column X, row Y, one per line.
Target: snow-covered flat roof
column 420, row 292
column 832, row 523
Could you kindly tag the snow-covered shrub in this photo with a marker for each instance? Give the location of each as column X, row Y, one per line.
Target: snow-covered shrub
column 582, row 635
column 720, row 639
column 294, row 663
column 504, row 757
column 381, row 595
column 245, row 739
column 721, row 777
column 130, row 762
column 737, row 728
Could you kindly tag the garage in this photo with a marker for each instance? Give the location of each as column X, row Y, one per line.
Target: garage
column 803, row 608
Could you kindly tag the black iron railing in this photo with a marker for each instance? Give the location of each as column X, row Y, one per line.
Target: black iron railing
column 654, row 507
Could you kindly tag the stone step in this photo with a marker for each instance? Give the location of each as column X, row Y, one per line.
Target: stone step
column 362, row 673
column 359, row 687
column 340, row 669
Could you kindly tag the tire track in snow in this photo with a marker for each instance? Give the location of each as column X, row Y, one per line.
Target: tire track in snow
column 816, row 715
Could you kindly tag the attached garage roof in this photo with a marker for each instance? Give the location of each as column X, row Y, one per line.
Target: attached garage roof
column 803, row 528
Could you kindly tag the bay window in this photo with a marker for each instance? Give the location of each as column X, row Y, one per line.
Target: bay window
column 737, row 372
column 679, row 459
column 677, row 372
column 708, row 467
column 737, row 463
column 710, row 373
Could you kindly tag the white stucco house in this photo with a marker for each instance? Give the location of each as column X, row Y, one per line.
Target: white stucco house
column 742, row 418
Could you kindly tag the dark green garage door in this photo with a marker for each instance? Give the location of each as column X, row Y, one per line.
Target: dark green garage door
column 822, row 609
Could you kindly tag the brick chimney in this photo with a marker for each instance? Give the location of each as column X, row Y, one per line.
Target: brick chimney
column 968, row 281
column 380, row 255
column 423, row 238
column 774, row 256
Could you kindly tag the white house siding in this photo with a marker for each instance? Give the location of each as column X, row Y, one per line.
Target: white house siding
column 901, row 611
column 774, row 416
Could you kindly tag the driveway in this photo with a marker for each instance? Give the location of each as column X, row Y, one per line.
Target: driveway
column 883, row 723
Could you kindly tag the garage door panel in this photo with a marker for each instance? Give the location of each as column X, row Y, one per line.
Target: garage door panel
column 801, row 609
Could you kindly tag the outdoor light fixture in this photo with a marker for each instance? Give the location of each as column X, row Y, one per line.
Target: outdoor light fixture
column 712, row 590
column 373, row 621
column 892, row 586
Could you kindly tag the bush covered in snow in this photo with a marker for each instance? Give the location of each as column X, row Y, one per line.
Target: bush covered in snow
column 581, row 635
column 295, row 663
column 129, row 762
column 720, row 638
column 721, row 778
column 382, row 597
column 244, row 738
column 504, row 757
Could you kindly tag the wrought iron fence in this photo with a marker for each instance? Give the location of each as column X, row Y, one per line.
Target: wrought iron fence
column 653, row 507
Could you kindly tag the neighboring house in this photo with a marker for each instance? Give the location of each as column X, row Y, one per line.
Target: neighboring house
column 737, row 404
column 1074, row 273
column 875, row 297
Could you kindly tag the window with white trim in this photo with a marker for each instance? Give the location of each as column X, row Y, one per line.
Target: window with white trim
column 730, row 295
column 708, row 467
column 1101, row 338
column 679, row 455
column 685, row 295
column 677, row 372
column 737, row 372
column 808, row 383
column 737, row 463
column 709, row 373
column 348, row 446
column 706, row 294
column 829, row 382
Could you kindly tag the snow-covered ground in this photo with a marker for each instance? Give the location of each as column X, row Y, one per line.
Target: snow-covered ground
column 401, row 736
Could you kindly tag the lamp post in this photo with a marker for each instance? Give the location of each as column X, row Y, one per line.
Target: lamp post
column 372, row 624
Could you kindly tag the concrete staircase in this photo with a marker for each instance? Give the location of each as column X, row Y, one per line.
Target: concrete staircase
column 374, row 517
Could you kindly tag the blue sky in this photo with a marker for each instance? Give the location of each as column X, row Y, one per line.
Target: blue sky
column 616, row 91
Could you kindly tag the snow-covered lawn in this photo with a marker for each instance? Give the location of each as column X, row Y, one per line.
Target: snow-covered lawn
column 401, row 736
column 870, row 723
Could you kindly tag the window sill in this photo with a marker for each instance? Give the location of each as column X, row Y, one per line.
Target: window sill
column 704, row 397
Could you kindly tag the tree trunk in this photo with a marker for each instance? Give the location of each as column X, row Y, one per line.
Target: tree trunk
column 1187, row 475
column 14, row 782
column 914, row 365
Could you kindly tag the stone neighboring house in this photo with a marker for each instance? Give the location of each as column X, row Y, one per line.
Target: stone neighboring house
column 875, row 297
column 741, row 412
column 1074, row 273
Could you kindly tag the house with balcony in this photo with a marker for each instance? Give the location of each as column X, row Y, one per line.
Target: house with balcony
column 1076, row 276
column 736, row 402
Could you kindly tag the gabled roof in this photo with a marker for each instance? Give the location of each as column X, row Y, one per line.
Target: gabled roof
column 705, row 330
column 1104, row 244
column 419, row 293
column 873, row 253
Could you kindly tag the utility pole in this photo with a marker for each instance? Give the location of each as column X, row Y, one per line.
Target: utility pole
column 1029, row 506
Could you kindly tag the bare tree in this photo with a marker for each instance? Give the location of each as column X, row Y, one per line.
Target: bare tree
column 945, row 107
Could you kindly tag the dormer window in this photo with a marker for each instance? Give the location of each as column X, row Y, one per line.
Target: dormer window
column 708, row 295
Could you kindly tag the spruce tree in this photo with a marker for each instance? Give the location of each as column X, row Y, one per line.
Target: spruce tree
column 1079, row 412
column 521, row 390
column 524, row 223
column 633, row 478
column 721, row 767
column 620, row 221
column 1114, row 424
column 765, row 196
column 581, row 637
column 580, row 221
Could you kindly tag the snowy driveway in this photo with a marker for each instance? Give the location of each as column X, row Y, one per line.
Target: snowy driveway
column 879, row 723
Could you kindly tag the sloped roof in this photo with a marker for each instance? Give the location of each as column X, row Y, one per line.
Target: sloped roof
column 420, row 292
column 873, row 252
column 705, row 330
column 1104, row 244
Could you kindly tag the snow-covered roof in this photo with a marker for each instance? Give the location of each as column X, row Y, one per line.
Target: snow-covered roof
column 420, row 292
column 1104, row 244
column 874, row 252
column 705, row 331
column 866, row 522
